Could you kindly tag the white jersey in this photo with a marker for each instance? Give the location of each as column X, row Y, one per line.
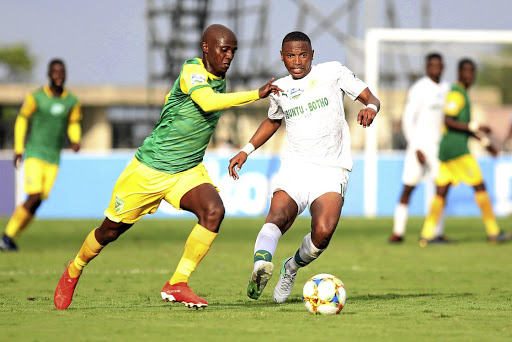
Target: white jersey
column 312, row 107
column 423, row 116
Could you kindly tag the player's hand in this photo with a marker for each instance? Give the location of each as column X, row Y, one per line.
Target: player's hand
column 366, row 117
column 17, row 160
column 75, row 147
column 235, row 164
column 421, row 157
column 269, row 88
column 492, row 150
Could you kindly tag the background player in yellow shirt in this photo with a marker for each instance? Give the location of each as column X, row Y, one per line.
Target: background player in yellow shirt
column 456, row 163
column 52, row 111
column 168, row 166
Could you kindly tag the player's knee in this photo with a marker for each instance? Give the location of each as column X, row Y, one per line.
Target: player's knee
column 33, row 202
column 214, row 214
column 321, row 234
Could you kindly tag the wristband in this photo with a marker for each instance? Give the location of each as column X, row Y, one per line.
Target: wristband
column 474, row 126
column 249, row 148
column 372, row 106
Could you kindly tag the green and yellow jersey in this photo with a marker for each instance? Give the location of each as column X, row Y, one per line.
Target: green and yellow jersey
column 188, row 119
column 51, row 117
column 455, row 143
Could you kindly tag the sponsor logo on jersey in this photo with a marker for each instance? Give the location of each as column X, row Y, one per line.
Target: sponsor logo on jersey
column 295, row 93
column 118, row 205
column 57, row 109
column 197, row 78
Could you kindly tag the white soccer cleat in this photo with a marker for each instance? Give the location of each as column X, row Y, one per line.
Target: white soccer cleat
column 284, row 286
column 259, row 279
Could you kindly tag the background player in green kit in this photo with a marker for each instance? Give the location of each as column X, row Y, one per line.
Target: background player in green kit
column 456, row 162
column 53, row 111
column 168, row 166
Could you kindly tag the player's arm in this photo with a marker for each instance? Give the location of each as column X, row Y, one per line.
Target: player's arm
column 411, row 110
column 74, row 128
column 20, row 127
column 266, row 130
column 367, row 114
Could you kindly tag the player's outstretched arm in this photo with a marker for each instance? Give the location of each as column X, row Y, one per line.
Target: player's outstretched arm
column 367, row 114
column 267, row 129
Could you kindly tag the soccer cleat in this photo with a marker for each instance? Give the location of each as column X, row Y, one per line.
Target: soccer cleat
column 396, row 238
column 7, row 244
column 65, row 289
column 499, row 238
column 284, row 286
column 438, row 240
column 180, row 292
column 259, row 279
column 443, row 239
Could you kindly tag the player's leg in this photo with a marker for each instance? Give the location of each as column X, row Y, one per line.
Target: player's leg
column 411, row 175
column 428, row 231
column 39, row 179
column 482, row 199
column 282, row 213
column 196, row 193
column 126, row 207
column 401, row 214
column 325, row 213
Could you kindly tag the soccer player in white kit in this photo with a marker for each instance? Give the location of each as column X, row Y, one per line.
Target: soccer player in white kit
column 421, row 125
column 315, row 165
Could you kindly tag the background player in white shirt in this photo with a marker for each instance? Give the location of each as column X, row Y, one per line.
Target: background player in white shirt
column 421, row 125
column 315, row 165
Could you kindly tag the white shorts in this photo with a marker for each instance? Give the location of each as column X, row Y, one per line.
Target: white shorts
column 414, row 172
column 305, row 182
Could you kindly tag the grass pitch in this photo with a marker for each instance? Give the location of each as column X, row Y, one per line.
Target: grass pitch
column 459, row 292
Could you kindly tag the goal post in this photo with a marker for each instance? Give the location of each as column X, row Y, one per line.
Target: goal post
column 374, row 38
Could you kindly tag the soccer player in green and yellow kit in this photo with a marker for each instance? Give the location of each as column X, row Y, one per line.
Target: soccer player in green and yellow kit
column 168, row 166
column 456, row 162
column 53, row 111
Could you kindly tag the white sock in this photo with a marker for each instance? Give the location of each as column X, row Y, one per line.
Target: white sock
column 266, row 242
column 400, row 219
column 304, row 255
column 440, row 225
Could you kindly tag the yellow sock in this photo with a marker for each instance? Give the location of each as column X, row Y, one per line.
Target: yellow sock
column 436, row 209
column 484, row 202
column 196, row 247
column 18, row 222
column 90, row 249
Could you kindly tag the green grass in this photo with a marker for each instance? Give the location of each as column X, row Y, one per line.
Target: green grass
column 461, row 292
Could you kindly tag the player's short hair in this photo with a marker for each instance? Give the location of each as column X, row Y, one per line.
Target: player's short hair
column 433, row 55
column 296, row 36
column 56, row 61
column 463, row 61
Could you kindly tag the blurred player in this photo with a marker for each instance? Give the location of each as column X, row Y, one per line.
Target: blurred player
column 168, row 166
column 456, row 162
column 421, row 124
column 316, row 163
column 52, row 111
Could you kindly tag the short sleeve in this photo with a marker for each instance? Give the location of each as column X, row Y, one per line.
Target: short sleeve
column 348, row 81
column 29, row 106
column 193, row 76
column 275, row 111
column 454, row 103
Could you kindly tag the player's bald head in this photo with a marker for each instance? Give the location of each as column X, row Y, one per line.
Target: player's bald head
column 217, row 32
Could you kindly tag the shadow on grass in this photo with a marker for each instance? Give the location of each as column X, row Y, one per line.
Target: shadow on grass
column 388, row 296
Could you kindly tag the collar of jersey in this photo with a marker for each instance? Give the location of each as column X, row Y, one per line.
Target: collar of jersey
column 210, row 75
column 460, row 86
column 48, row 92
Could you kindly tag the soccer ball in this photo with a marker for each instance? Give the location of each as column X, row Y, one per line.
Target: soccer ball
column 324, row 294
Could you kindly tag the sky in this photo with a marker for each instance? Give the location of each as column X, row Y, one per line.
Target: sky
column 105, row 42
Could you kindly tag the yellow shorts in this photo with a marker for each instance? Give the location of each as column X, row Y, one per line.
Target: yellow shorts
column 140, row 189
column 462, row 169
column 39, row 177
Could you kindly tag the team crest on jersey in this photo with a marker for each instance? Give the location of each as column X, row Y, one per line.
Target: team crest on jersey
column 118, row 205
column 57, row 109
column 197, row 78
column 295, row 93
